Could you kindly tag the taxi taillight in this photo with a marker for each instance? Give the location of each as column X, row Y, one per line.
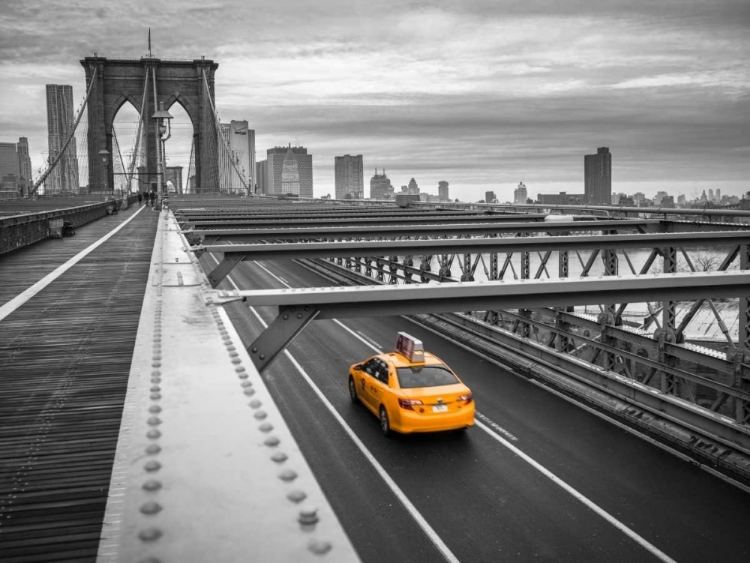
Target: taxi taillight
column 468, row 398
column 409, row 404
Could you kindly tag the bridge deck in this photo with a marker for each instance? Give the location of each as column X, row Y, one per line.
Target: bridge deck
column 65, row 359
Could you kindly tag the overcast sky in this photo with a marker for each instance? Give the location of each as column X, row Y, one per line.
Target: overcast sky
column 480, row 93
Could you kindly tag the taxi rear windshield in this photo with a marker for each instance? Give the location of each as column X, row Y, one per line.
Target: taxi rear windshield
column 424, row 376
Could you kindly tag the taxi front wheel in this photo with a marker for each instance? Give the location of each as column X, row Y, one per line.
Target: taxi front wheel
column 353, row 391
column 385, row 423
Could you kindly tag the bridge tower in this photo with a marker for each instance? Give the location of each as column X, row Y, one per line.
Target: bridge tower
column 156, row 80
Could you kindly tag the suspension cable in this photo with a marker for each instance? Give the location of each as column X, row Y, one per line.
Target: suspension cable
column 219, row 132
column 46, row 173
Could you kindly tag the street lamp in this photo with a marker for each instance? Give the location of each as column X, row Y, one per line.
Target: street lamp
column 104, row 156
column 163, row 122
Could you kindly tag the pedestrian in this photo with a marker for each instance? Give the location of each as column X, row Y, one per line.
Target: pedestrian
column 140, row 199
column 153, row 198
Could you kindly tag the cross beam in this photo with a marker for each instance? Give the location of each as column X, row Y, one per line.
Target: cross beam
column 389, row 300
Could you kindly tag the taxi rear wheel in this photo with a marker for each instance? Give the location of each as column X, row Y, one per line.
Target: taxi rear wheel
column 385, row 423
column 353, row 391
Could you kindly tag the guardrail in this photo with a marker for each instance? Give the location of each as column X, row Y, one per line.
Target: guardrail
column 18, row 231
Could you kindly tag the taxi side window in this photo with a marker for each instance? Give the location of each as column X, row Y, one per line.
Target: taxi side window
column 382, row 373
column 370, row 367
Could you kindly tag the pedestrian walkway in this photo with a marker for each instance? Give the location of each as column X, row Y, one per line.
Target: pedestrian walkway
column 66, row 347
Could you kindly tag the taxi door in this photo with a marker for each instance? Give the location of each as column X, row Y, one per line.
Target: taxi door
column 379, row 386
column 366, row 383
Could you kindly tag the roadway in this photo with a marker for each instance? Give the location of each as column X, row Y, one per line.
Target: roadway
column 537, row 478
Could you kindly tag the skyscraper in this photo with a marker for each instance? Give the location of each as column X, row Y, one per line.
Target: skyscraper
column 520, row 195
column 443, row 190
column 349, row 177
column 598, row 177
column 64, row 176
column 413, row 188
column 380, row 186
column 240, row 159
column 8, row 169
column 290, row 171
column 24, row 166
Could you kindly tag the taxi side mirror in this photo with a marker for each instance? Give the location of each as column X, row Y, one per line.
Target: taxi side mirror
column 358, row 367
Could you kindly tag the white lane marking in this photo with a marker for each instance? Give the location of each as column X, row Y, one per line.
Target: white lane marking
column 30, row 292
column 543, row 470
column 578, row 496
column 419, row 519
column 491, row 423
column 274, row 276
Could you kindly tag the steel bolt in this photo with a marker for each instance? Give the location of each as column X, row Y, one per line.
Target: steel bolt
column 150, row 534
column 319, row 547
column 151, row 485
column 296, row 496
column 308, row 516
column 152, row 466
column 151, row 507
column 153, row 434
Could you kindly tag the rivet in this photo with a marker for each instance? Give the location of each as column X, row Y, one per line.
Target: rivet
column 150, row 534
column 319, row 547
column 226, row 337
column 271, row 442
column 151, row 485
column 239, row 369
column 247, row 383
column 155, row 389
column 150, row 560
column 156, row 380
column 265, row 427
column 155, row 372
column 287, row 475
column 156, row 365
column 153, row 449
column 151, row 507
column 308, row 516
column 285, row 317
column 299, row 315
column 260, row 415
column 155, row 396
column 296, row 496
column 153, row 421
column 233, row 354
column 153, row 434
column 156, row 357
column 279, row 457
column 254, row 350
column 230, row 348
column 242, row 376
column 152, row 466
column 249, row 391
column 262, row 356
column 154, row 409
column 237, row 361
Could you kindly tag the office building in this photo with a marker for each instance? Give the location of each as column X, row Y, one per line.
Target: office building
column 237, row 164
column 598, row 177
column 443, row 190
column 380, row 186
column 413, row 188
column 289, row 171
column 490, row 197
column 520, row 194
column 9, row 170
column 349, row 177
column 25, row 181
column 60, row 113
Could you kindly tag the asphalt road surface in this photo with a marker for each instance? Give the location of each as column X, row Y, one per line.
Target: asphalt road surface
column 537, row 479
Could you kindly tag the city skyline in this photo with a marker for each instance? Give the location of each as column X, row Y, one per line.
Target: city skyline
column 483, row 96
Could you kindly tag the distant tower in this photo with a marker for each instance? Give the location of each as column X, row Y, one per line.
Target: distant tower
column 490, row 197
column 520, row 194
column 380, row 186
column 289, row 170
column 24, row 165
column 443, row 191
column 349, row 176
column 64, row 177
column 413, row 187
column 598, row 177
column 241, row 142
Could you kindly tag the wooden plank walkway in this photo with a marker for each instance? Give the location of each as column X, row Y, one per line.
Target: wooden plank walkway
column 64, row 363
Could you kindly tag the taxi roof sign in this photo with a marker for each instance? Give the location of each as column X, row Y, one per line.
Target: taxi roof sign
column 410, row 347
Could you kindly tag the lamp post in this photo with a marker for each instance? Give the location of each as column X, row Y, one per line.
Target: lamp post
column 104, row 156
column 163, row 123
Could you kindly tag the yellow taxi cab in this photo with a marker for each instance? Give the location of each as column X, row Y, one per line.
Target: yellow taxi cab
column 411, row 390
